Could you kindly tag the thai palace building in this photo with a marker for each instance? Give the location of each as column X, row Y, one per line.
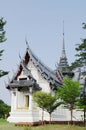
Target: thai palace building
column 33, row 75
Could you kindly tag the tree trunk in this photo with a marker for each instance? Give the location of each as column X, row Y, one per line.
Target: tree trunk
column 71, row 115
column 42, row 116
column 84, row 117
column 50, row 118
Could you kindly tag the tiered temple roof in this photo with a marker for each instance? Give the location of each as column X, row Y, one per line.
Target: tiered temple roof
column 45, row 71
column 63, row 65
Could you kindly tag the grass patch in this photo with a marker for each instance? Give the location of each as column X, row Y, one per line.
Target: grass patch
column 4, row 125
column 3, row 121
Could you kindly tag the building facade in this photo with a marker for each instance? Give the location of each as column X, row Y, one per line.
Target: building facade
column 31, row 76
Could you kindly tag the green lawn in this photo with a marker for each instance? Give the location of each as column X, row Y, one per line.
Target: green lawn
column 9, row 126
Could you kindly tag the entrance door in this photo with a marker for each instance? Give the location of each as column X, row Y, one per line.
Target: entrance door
column 27, row 101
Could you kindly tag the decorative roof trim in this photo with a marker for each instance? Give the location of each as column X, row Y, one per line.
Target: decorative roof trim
column 45, row 71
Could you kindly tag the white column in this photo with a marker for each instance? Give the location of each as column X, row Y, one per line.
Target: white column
column 30, row 99
column 13, row 99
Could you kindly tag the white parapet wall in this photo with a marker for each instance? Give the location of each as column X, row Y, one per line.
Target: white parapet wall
column 24, row 116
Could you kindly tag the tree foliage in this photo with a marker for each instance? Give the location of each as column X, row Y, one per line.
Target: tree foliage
column 2, row 39
column 68, row 93
column 4, row 109
column 81, row 53
column 82, row 103
column 2, row 32
column 46, row 101
column 82, row 106
column 81, row 63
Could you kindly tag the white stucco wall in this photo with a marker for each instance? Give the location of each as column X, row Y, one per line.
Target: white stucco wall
column 43, row 83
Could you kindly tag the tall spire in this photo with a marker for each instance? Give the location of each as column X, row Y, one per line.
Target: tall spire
column 63, row 64
column 63, row 46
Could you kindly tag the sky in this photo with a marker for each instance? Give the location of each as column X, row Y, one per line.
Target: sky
column 40, row 22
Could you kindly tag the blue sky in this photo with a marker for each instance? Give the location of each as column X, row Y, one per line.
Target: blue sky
column 41, row 23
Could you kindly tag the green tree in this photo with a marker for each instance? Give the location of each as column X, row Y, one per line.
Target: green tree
column 82, row 102
column 81, row 53
column 82, row 107
column 4, row 109
column 81, row 63
column 2, row 39
column 69, row 93
column 46, row 101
